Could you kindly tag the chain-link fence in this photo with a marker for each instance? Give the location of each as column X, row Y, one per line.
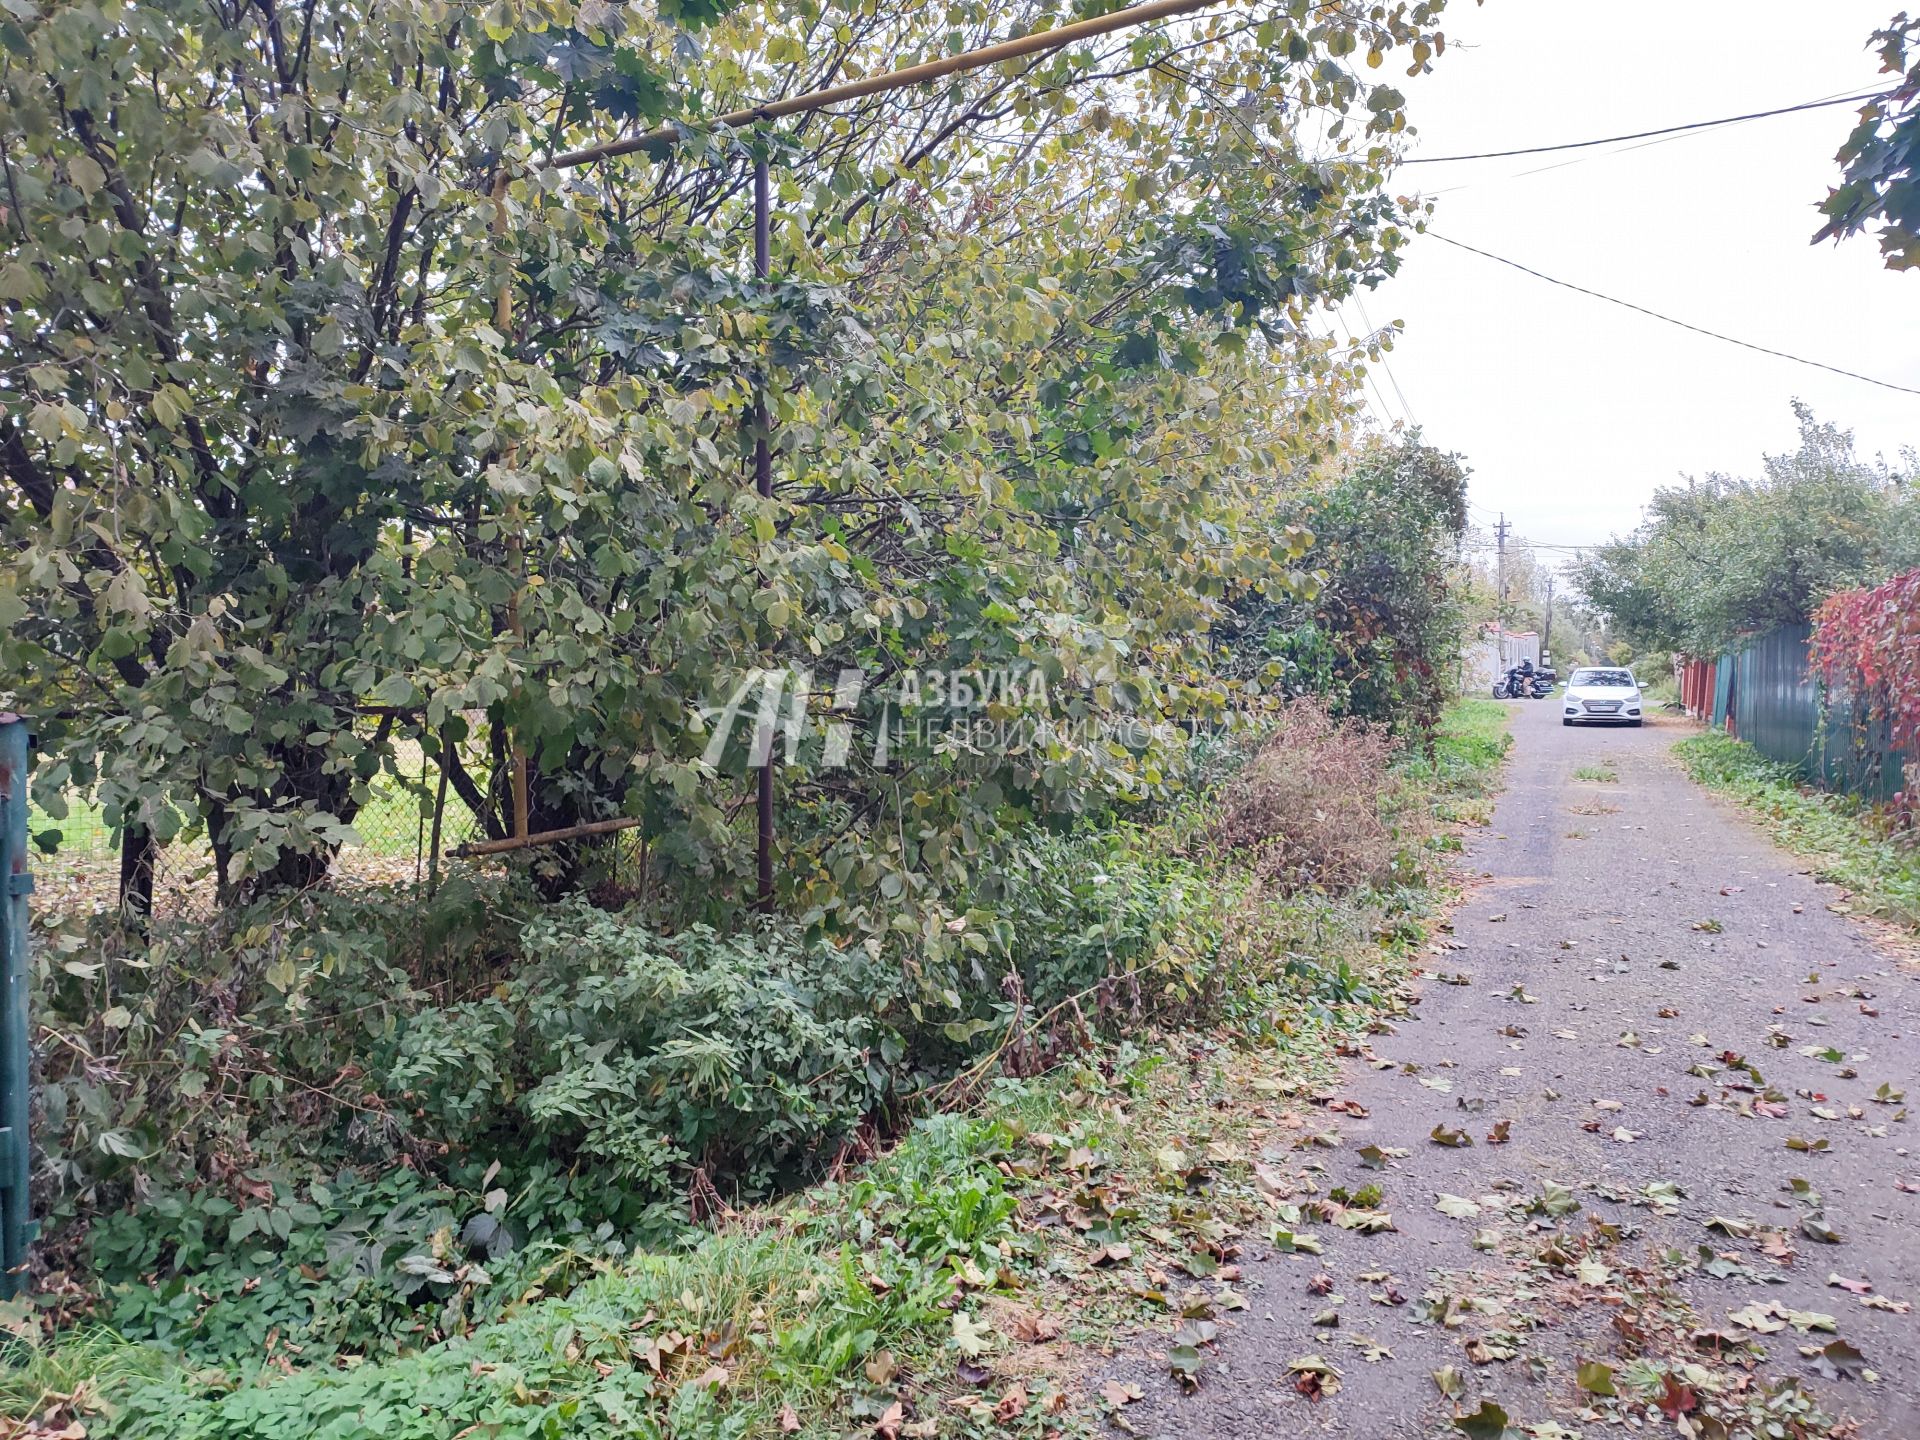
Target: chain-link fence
column 77, row 858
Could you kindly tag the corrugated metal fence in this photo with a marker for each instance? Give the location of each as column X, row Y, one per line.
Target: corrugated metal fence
column 1763, row 694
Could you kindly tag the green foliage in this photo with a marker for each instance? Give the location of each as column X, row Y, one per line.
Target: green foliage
column 1724, row 556
column 524, row 1299
column 1879, row 158
column 641, row 1056
column 1384, row 622
column 1106, row 919
column 344, row 422
column 247, row 1034
column 87, row 1360
column 1851, row 845
column 348, row 1264
column 805, row 1300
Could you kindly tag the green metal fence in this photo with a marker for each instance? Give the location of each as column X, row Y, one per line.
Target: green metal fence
column 16, row 1224
column 1764, row 695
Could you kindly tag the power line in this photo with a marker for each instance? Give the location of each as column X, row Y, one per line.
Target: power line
column 1655, row 314
column 1833, row 95
column 1385, row 364
column 1644, row 134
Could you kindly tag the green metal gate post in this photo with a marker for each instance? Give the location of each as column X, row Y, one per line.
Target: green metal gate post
column 16, row 883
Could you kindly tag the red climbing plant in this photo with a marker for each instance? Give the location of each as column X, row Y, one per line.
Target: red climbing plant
column 1867, row 643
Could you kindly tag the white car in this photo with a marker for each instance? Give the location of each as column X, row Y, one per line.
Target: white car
column 1601, row 695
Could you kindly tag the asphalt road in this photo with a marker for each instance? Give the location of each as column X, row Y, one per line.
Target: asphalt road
column 1619, row 934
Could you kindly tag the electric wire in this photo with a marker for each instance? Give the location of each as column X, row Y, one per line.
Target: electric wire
column 1684, row 325
column 1644, row 134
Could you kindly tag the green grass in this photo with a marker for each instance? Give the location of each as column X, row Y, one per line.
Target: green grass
column 1598, row 774
column 1848, row 842
column 83, row 1366
column 394, row 824
column 1468, row 746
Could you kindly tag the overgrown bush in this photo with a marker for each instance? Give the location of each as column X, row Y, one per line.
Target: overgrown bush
column 1309, row 810
column 651, row 1057
column 1106, row 922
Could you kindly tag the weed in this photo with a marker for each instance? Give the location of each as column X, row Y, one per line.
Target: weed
column 1601, row 774
column 1849, row 843
column 1308, row 811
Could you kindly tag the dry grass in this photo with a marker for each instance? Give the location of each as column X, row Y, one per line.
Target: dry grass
column 1308, row 810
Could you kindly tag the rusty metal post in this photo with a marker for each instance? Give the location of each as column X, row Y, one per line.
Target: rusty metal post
column 16, row 883
column 763, row 482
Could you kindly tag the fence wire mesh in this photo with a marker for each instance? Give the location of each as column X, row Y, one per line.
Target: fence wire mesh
column 77, row 859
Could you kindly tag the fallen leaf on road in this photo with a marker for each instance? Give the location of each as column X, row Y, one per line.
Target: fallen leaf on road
column 1116, row 1394
column 1858, row 1287
column 1596, row 1378
column 1458, row 1139
column 1457, row 1206
column 1815, row 1227
column 1451, row 1382
column 1313, row 1377
column 1185, row 1362
column 1767, row 1319
column 1676, row 1399
column 1838, row 1360
column 1489, row 1422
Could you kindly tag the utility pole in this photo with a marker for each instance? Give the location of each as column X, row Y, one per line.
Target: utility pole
column 1546, row 634
column 1500, row 540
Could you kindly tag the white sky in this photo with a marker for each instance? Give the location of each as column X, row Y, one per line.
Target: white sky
column 1569, row 410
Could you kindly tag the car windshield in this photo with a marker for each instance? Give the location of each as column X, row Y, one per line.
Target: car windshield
column 1622, row 678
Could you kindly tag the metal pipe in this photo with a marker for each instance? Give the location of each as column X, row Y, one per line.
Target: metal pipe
column 763, row 482
column 16, row 883
column 1014, row 49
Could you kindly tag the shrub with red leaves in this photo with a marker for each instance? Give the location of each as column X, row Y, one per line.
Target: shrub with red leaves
column 1866, row 644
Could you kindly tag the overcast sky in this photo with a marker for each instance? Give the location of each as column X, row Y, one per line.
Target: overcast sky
column 1570, row 411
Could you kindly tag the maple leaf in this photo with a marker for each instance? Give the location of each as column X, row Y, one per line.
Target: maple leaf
column 1675, row 1398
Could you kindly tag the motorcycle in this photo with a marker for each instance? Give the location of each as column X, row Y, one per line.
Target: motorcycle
column 1516, row 684
column 1541, row 687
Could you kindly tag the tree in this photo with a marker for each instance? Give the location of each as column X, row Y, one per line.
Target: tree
column 1383, row 623
column 336, row 416
column 1878, row 160
column 1721, row 557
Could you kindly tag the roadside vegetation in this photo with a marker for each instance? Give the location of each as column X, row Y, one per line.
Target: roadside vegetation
column 1724, row 555
column 1851, row 843
column 1154, row 963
